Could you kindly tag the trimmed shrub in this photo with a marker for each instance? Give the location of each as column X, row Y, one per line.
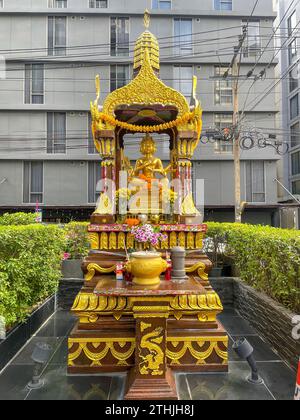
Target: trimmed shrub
column 30, row 268
column 77, row 240
column 17, row 219
column 267, row 258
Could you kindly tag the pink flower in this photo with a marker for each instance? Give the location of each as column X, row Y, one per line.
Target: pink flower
column 66, row 256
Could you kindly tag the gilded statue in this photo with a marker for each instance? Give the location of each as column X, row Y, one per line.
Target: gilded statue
column 149, row 166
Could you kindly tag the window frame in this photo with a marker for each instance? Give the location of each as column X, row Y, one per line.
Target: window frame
column 223, row 147
column 30, row 193
column 110, row 36
column 94, row 163
column 218, row 89
column 116, row 79
column 178, row 50
column 53, row 143
column 162, row 1
column 178, row 83
column 30, row 85
column 89, row 4
column 265, row 183
column 52, row 52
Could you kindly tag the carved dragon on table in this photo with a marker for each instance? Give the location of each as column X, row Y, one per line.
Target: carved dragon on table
column 155, row 358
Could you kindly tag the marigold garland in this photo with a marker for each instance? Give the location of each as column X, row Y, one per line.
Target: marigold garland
column 147, row 129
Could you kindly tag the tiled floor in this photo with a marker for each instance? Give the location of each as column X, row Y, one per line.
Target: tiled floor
column 279, row 379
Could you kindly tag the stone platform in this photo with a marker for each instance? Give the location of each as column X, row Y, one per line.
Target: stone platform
column 148, row 332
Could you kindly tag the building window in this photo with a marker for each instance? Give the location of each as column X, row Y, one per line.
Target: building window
column 183, row 29
column 293, row 81
column 255, row 182
column 119, row 36
column 223, row 121
column 223, row 88
column 252, row 43
column 296, row 163
column 91, row 145
column 223, row 4
column 34, row 83
column 292, row 51
column 294, row 107
column 58, row 4
column 98, row 4
column 119, row 76
column 295, row 135
column 183, row 80
column 56, row 132
column 57, row 35
column 1, row 4
column 292, row 24
column 296, row 187
column 161, row 4
column 94, row 176
column 33, row 182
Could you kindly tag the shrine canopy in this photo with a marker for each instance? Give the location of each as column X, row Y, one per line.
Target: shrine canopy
column 146, row 104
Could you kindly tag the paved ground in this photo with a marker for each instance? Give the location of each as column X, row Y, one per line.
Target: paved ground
column 279, row 378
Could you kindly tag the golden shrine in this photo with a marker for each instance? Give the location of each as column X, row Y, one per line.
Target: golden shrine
column 149, row 332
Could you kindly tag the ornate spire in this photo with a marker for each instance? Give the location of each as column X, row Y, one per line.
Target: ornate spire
column 146, row 41
column 147, row 19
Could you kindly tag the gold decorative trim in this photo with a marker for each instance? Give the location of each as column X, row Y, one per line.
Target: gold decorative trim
column 145, row 89
column 95, row 268
column 96, row 349
column 200, row 269
column 150, row 351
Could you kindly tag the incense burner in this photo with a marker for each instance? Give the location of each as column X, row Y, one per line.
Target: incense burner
column 146, row 268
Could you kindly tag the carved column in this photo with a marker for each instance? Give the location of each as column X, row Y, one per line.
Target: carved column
column 185, row 153
column 150, row 379
column 106, row 145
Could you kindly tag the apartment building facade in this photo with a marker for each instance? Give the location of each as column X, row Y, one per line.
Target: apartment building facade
column 53, row 51
column 290, row 71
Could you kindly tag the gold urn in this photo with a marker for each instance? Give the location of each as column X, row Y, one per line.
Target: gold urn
column 146, row 268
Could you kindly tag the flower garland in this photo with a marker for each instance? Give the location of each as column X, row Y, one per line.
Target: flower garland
column 147, row 129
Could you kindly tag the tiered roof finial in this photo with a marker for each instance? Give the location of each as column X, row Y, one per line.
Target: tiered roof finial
column 146, row 41
column 147, row 19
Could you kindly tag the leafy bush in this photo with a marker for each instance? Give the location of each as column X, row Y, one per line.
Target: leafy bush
column 267, row 258
column 77, row 241
column 30, row 262
column 17, row 219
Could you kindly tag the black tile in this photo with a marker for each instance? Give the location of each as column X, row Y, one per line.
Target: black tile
column 232, row 386
column 262, row 350
column 14, row 341
column 18, row 337
column 41, row 315
column 182, row 387
column 236, row 326
column 117, row 388
column 24, row 357
column 61, row 354
column 60, row 386
column 58, row 326
column 279, row 378
column 228, row 312
column 13, row 382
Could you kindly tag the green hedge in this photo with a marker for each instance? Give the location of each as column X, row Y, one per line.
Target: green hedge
column 267, row 258
column 30, row 262
column 17, row 219
column 77, row 241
